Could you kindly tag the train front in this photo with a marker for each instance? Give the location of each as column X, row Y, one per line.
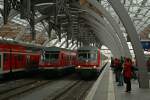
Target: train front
column 50, row 61
column 88, row 61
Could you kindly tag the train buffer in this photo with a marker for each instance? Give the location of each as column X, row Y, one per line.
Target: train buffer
column 105, row 88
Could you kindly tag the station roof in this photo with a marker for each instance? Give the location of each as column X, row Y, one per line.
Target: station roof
column 139, row 11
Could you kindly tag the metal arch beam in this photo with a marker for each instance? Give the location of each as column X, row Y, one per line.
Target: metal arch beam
column 101, row 34
column 65, row 41
column 131, row 31
column 72, row 45
column 69, row 44
column 109, row 31
column 62, row 43
column 41, row 18
column 113, row 23
column 106, row 34
column 12, row 14
column 59, row 43
column 54, row 42
column 106, row 43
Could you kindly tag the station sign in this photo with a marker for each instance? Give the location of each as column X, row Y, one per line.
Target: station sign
column 145, row 44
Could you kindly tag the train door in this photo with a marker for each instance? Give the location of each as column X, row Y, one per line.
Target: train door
column 28, row 60
column 1, row 64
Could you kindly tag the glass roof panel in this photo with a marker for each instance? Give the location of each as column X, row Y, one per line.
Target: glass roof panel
column 139, row 11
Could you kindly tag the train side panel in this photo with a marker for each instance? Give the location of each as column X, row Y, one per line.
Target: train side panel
column 14, row 58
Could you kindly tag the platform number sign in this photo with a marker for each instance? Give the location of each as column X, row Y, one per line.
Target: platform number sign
column 146, row 45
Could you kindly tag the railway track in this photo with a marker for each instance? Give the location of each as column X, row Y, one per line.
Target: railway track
column 75, row 91
column 67, row 88
column 14, row 85
column 15, row 91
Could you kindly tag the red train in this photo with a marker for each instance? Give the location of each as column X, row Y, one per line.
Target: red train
column 89, row 61
column 15, row 57
column 57, row 60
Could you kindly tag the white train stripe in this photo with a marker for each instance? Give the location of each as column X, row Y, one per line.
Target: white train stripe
column 14, row 70
column 20, row 53
column 55, row 67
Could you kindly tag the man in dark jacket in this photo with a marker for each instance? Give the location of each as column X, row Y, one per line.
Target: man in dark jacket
column 119, row 73
column 116, row 65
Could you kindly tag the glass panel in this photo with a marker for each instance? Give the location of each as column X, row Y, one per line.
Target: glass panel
column 87, row 55
column 93, row 56
column 53, row 55
column 5, row 57
column 82, row 56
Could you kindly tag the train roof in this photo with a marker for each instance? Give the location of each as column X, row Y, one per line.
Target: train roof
column 27, row 46
column 87, row 48
column 54, row 48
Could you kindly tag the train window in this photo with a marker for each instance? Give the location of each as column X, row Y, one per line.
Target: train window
column 28, row 59
column 51, row 56
column 5, row 57
column 54, row 56
column 19, row 57
column 82, row 56
column 87, row 54
column 47, row 56
column 92, row 56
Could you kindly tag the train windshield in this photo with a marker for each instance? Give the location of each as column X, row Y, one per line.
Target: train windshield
column 51, row 56
column 87, row 55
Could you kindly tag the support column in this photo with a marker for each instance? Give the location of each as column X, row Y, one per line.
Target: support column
column 7, row 8
column 32, row 23
column 139, row 54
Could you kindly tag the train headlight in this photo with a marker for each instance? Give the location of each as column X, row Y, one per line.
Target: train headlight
column 94, row 66
column 79, row 66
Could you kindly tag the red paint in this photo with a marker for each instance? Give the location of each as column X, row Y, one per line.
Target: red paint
column 65, row 59
column 16, row 56
column 90, row 64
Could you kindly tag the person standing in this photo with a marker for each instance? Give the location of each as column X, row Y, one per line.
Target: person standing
column 148, row 64
column 119, row 73
column 116, row 65
column 127, row 73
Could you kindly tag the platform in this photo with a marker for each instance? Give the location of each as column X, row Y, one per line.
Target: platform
column 106, row 89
